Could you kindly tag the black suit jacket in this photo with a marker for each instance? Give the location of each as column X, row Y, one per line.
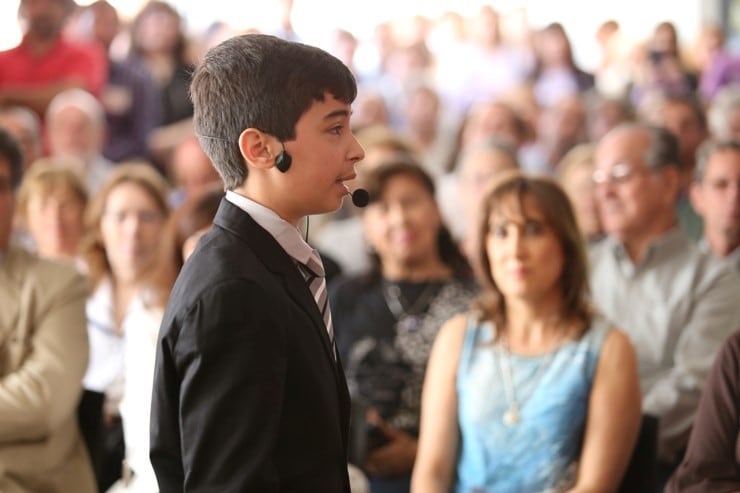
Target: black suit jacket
column 247, row 396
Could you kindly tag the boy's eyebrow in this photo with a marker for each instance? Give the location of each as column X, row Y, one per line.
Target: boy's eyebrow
column 336, row 113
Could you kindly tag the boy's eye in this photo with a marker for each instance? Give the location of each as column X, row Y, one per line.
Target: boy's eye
column 336, row 130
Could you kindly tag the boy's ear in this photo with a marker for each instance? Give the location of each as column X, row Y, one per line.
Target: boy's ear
column 254, row 146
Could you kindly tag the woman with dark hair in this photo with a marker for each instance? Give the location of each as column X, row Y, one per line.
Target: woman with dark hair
column 385, row 321
column 158, row 40
column 531, row 391
column 556, row 75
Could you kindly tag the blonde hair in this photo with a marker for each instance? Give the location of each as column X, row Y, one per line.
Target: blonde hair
column 580, row 155
column 46, row 176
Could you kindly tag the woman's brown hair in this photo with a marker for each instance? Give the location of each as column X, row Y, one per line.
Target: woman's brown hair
column 145, row 176
column 554, row 205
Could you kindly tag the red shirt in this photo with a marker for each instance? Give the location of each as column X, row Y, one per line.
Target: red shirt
column 66, row 61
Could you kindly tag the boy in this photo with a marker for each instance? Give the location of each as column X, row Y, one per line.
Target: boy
column 249, row 394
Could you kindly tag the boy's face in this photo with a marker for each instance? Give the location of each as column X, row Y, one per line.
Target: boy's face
column 324, row 153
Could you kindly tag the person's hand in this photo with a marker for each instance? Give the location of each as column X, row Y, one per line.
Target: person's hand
column 395, row 457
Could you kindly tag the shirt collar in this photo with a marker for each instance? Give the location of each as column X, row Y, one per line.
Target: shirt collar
column 674, row 237
column 287, row 235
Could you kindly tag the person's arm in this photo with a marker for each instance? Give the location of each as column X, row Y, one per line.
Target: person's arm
column 614, row 415
column 674, row 397
column 394, row 458
column 438, row 437
column 710, row 463
column 45, row 389
column 230, row 359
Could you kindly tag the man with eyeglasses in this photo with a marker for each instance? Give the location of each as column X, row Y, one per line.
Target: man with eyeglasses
column 43, row 356
column 676, row 303
column 715, row 194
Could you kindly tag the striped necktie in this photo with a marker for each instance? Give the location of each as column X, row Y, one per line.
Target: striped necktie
column 313, row 273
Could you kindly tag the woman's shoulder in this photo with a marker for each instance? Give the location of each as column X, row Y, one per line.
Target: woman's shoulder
column 615, row 344
column 455, row 326
column 453, row 332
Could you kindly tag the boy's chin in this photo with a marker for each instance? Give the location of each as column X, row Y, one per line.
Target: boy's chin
column 328, row 206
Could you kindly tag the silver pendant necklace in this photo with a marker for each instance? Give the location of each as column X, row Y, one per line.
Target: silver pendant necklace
column 513, row 414
column 408, row 316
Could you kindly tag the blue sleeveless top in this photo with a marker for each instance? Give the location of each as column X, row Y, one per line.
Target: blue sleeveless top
column 540, row 452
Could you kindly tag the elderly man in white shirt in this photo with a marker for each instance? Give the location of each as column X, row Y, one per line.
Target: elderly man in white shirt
column 676, row 303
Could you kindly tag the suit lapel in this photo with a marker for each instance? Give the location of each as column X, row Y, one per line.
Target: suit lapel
column 275, row 259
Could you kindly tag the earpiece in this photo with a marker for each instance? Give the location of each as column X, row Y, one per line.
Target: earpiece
column 283, row 161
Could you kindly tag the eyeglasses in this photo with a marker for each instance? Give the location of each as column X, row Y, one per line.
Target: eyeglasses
column 619, row 173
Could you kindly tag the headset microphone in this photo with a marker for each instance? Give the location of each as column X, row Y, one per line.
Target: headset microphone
column 283, row 161
column 360, row 197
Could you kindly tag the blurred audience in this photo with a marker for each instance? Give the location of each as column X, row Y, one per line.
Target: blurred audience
column 605, row 113
column 190, row 170
column 718, row 67
column 192, row 220
column 676, row 303
column 661, row 68
column 612, row 75
column 132, row 273
column 575, row 173
column 531, row 391
column 158, row 40
column 45, row 63
column 25, row 126
column 75, row 129
column 131, row 99
column 426, row 125
column 460, row 193
column 560, row 127
column 685, row 119
column 715, row 195
column 385, row 321
column 556, row 75
column 723, row 115
column 44, row 355
column 51, row 209
column 711, row 463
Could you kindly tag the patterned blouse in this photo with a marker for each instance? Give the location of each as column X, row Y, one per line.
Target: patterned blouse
column 385, row 331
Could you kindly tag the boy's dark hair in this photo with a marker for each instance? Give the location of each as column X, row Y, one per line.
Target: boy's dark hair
column 10, row 151
column 263, row 82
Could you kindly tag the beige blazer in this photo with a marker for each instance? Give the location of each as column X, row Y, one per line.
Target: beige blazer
column 43, row 356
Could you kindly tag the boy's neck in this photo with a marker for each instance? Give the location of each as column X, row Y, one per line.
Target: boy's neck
column 264, row 201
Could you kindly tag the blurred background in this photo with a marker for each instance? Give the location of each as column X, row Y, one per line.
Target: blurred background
column 314, row 20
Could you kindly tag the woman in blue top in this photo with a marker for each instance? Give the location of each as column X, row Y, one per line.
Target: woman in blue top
column 532, row 392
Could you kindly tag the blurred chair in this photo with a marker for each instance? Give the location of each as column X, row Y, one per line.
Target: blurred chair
column 641, row 475
column 90, row 419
